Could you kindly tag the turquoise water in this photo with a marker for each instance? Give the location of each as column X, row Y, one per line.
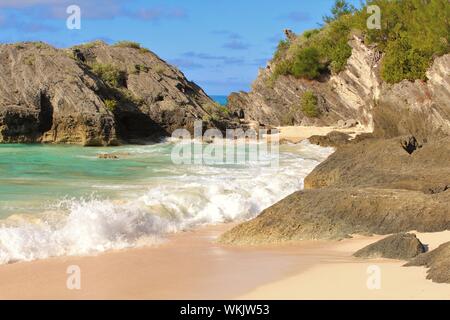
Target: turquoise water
column 223, row 100
column 64, row 200
column 33, row 175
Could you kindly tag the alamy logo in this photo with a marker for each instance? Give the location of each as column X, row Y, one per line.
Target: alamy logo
column 374, row 279
column 73, row 22
column 74, row 279
column 374, row 21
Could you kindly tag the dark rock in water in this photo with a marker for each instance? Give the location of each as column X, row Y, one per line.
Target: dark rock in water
column 438, row 262
column 107, row 156
column 401, row 246
column 347, row 95
column 332, row 139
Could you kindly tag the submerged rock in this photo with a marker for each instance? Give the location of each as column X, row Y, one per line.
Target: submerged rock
column 401, row 246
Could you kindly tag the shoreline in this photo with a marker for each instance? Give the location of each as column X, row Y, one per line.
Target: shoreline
column 297, row 134
column 191, row 265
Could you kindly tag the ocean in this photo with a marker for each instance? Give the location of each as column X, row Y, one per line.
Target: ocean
column 58, row 200
column 223, row 100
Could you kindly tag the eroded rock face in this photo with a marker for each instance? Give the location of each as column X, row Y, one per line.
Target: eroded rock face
column 52, row 95
column 420, row 108
column 400, row 246
column 349, row 95
column 437, row 261
column 369, row 187
column 384, row 163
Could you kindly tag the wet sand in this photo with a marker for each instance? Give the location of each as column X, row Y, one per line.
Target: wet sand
column 191, row 265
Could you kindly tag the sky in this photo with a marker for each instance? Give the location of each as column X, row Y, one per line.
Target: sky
column 219, row 44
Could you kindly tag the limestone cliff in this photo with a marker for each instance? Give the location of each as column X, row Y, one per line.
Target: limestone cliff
column 419, row 108
column 55, row 95
column 351, row 94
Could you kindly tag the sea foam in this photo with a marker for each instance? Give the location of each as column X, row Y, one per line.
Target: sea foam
column 200, row 195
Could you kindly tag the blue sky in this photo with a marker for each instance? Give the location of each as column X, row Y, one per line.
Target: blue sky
column 219, row 44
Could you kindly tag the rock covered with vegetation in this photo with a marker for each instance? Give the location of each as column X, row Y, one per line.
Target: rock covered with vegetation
column 353, row 70
column 93, row 94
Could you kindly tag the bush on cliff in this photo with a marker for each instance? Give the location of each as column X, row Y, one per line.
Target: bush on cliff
column 412, row 34
column 309, row 105
column 110, row 74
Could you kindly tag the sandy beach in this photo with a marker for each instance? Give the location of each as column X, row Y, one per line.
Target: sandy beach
column 191, row 265
column 296, row 134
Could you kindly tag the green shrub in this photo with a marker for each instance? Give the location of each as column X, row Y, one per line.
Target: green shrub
column 216, row 111
column 127, row 44
column 306, row 64
column 401, row 62
column 131, row 44
column 309, row 104
column 340, row 8
column 282, row 48
column 412, row 33
column 29, row 60
column 310, row 33
column 110, row 74
column 110, row 104
column 40, row 45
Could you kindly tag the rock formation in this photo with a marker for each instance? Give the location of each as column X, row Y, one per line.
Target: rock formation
column 58, row 96
column 394, row 180
column 332, row 139
column 368, row 187
column 400, row 246
column 437, row 261
column 349, row 95
column 419, row 108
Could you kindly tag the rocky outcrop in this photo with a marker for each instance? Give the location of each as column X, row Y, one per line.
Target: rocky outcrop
column 437, row 261
column 420, row 108
column 55, row 96
column 332, row 139
column 385, row 164
column 327, row 214
column 401, row 246
column 350, row 94
column 370, row 187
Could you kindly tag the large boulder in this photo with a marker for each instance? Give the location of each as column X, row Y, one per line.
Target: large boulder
column 385, row 163
column 400, row 246
column 370, row 187
column 335, row 213
column 332, row 139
